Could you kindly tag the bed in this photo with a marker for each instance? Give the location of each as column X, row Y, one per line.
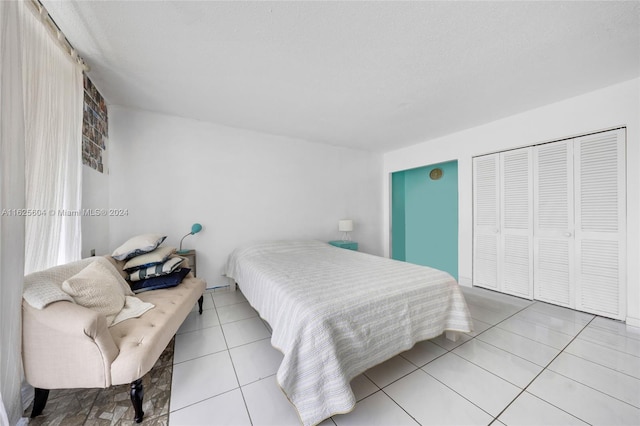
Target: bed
column 335, row 313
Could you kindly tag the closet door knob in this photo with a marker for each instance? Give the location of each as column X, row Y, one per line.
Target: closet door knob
column 567, row 234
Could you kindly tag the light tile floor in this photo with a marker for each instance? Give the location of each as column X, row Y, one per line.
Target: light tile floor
column 526, row 363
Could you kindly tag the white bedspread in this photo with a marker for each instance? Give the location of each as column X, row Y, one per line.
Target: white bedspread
column 335, row 313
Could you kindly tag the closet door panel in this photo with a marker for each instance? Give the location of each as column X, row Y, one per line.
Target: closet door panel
column 599, row 278
column 486, row 221
column 516, row 223
column 517, row 276
column 554, row 223
column 485, row 268
column 553, row 275
column 600, row 199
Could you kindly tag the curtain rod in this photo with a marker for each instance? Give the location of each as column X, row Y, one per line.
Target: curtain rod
column 48, row 21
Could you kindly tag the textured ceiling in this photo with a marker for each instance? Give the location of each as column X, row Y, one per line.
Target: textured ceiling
column 367, row 75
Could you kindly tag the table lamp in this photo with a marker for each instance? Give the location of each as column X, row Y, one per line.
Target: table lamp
column 195, row 228
column 345, row 226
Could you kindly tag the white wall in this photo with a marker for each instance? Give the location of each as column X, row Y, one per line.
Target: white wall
column 170, row 172
column 95, row 196
column 617, row 105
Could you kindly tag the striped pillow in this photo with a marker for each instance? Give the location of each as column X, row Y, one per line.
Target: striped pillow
column 154, row 271
column 153, row 258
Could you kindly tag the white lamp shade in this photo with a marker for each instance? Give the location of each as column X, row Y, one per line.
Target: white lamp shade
column 345, row 225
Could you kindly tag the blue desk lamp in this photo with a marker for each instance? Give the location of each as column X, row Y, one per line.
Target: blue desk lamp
column 195, row 228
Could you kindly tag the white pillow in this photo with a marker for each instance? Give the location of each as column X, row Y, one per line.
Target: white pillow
column 138, row 245
column 156, row 257
column 96, row 288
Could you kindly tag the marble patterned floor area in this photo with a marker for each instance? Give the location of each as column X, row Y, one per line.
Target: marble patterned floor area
column 111, row 406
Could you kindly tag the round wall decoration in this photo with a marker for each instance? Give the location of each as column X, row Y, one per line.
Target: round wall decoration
column 436, row 173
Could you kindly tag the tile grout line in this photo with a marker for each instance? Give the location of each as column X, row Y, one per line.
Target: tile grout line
column 495, row 419
column 602, row 365
column 482, row 332
column 542, row 371
column 591, row 387
column 202, row 356
column 198, row 402
column 610, row 346
column 233, row 365
column 543, row 367
column 440, row 356
column 473, row 337
column 603, row 329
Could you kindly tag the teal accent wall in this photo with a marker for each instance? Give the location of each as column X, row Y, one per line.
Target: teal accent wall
column 425, row 217
column 397, row 216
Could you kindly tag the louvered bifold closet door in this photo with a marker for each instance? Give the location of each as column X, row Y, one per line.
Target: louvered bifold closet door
column 486, row 205
column 554, row 224
column 600, row 199
column 516, row 223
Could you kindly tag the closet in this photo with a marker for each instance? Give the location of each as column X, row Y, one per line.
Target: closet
column 550, row 223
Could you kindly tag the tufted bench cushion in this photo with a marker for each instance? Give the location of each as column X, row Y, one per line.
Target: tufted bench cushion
column 141, row 340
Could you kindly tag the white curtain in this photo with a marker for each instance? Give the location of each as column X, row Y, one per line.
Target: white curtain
column 40, row 172
column 53, row 113
column 12, row 190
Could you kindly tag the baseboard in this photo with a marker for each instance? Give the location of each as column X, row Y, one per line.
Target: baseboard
column 465, row 281
column 634, row 322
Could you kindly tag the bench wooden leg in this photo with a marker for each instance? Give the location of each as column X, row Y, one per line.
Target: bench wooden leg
column 39, row 401
column 200, row 301
column 137, row 393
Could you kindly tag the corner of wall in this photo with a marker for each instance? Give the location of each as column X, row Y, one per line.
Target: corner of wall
column 95, row 197
column 632, row 321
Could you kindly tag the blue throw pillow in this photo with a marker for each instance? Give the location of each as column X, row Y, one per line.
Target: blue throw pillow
column 163, row 281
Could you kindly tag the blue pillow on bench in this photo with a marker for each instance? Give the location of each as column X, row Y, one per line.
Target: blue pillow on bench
column 163, row 281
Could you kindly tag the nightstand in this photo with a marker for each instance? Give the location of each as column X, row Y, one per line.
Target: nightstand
column 190, row 255
column 345, row 244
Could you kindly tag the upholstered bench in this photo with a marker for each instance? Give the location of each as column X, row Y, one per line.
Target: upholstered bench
column 66, row 345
